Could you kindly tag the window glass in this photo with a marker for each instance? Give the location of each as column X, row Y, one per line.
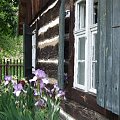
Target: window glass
column 81, row 48
column 81, row 73
column 81, row 60
column 82, row 14
column 95, row 12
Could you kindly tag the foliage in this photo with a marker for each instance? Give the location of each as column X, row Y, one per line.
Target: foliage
column 11, row 46
column 20, row 100
column 8, row 28
column 8, row 16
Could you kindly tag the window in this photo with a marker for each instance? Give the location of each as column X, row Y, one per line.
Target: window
column 86, row 17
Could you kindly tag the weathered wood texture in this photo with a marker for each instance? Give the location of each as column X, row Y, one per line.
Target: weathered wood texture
column 48, row 52
column 29, row 10
column 49, row 39
column 87, row 101
column 102, row 27
column 27, row 50
column 49, row 33
column 109, row 56
column 80, row 112
column 50, row 15
column 49, row 68
column 71, row 46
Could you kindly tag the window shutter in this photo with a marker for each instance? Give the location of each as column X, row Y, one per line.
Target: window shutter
column 108, row 89
column 27, row 35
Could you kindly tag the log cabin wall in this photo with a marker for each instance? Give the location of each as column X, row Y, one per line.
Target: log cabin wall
column 48, row 37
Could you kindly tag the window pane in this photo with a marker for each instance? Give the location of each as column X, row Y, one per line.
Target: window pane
column 81, row 48
column 93, row 61
column 95, row 12
column 82, row 14
column 81, row 73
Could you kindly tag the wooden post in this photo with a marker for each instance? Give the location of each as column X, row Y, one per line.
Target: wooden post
column 61, row 45
column 7, row 67
column 27, row 36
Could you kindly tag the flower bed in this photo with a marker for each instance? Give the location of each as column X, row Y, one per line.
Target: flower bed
column 30, row 100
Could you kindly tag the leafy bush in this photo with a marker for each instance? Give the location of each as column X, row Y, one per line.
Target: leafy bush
column 22, row 100
column 11, row 46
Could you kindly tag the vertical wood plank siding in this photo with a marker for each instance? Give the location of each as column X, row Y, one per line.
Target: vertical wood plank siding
column 102, row 29
column 108, row 92
column 108, row 57
column 28, row 10
column 116, row 57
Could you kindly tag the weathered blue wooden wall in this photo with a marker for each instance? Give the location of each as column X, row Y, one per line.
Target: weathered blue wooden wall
column 109, row 55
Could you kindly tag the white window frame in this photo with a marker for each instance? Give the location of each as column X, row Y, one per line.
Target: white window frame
column 87, row 32
column 33, row 51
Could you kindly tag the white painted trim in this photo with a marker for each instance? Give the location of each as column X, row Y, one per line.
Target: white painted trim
column 91, row 80
column 47, row 42
column 88, row 44
column 55, row 61
column 92, row 90
column 49, row 25
column 75, row 63
column 33, row 52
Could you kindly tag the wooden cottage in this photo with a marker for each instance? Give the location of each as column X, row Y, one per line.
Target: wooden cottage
column 80, row 39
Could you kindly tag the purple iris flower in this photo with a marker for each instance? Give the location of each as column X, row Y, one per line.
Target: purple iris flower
column 7, row 79
column 17, row 89
column 61, row 93
column 42, row 85
column 40, row 73
column 35, row 92
column 45, row 81
column 41, row 103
